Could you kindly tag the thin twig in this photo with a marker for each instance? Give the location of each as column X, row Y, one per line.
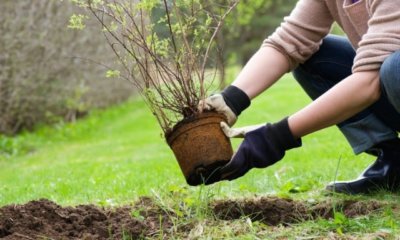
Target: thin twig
column 217, row 29
column 167, row 81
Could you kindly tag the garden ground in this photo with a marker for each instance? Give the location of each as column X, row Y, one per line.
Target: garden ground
column 115, row 168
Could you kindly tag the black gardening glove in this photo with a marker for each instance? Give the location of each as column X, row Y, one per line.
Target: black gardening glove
column 260, row 148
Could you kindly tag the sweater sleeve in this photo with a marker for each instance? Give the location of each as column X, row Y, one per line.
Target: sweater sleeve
column 301, row 33
column 382, row 37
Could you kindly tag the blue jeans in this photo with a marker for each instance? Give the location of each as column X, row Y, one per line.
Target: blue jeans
column 331, row 64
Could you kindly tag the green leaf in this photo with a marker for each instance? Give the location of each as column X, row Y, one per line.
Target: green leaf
column 76, row 21
column 112, row 73
column 339, row 218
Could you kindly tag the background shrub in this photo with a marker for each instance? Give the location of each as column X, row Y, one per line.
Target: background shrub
column 49, row 72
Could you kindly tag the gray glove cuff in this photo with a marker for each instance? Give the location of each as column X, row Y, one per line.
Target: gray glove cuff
column 236, row 99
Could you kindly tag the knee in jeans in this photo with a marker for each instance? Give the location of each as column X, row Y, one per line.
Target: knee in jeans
column 302, row 73
column 297, row 72
column 390, row 76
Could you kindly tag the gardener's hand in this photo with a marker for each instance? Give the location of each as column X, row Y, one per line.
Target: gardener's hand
column 260, row 148
column 230, row 102
column 238, row 132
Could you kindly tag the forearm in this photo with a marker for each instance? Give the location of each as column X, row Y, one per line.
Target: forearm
column 265, row 67
column 347, row 98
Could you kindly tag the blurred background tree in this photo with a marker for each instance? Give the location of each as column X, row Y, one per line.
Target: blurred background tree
column 250, row 24
column 247, row 27
column 244, row 29
column 47, row 71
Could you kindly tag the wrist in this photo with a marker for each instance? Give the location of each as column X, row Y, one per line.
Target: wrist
column 283, row 135
column 235, row 99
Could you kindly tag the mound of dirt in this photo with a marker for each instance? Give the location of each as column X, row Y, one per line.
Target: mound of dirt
column 274, row 211
column 271, row 211
column 45, row 219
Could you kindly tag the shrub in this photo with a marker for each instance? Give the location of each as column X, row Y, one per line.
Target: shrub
column 47, row 71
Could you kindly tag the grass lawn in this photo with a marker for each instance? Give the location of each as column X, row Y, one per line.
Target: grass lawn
column 115, row 156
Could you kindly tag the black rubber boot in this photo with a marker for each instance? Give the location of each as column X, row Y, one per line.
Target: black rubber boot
column 383, row 174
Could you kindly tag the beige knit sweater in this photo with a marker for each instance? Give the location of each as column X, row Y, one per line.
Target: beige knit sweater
column 372, row 26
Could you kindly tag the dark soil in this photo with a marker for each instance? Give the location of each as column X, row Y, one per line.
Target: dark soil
column 44, row 219
column 274, row 211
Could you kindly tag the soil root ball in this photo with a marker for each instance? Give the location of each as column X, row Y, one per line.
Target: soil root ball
column 200, row 147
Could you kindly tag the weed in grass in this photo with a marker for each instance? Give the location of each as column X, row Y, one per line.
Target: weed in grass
column 137, row 213
column 390, row 222
column 340, row 221
column 294, row 186
column 202, row 206
column 126, row 236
